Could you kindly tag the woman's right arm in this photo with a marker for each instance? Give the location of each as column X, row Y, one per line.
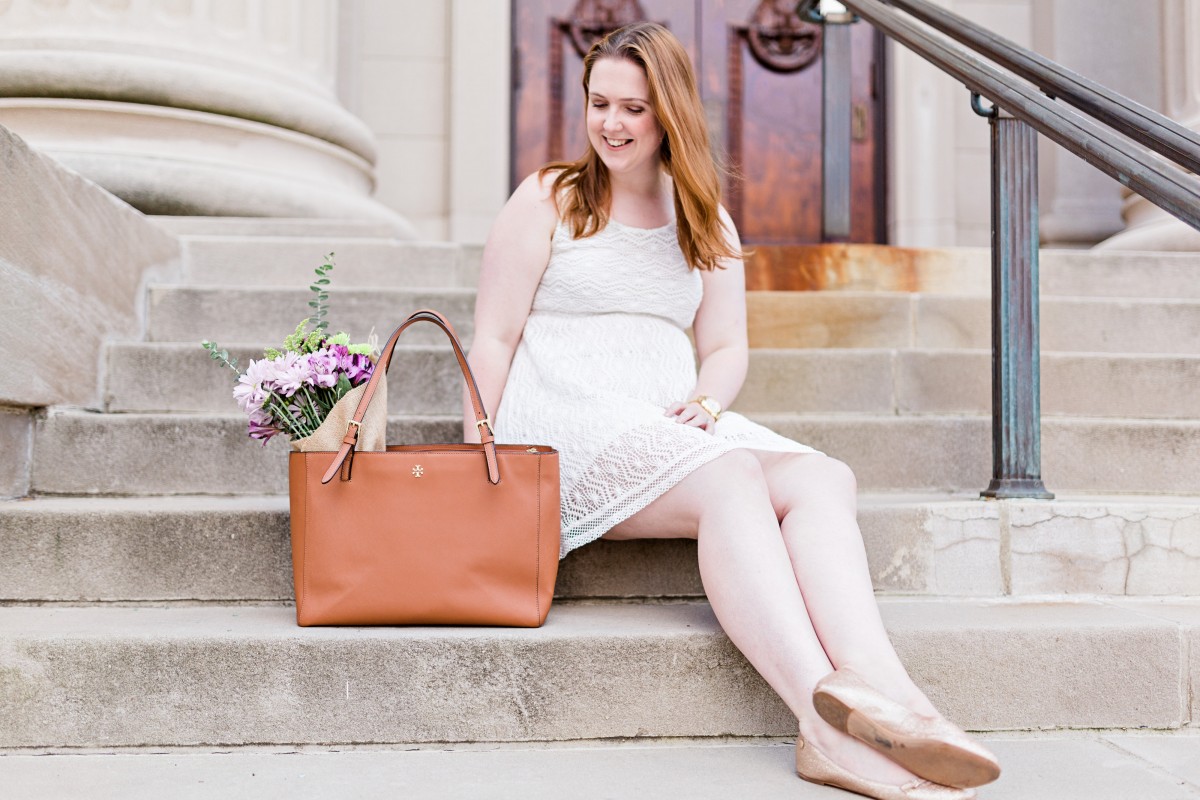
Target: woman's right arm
column 514, row 258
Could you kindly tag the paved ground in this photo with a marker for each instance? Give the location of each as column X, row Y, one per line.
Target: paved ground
column 1099, row 766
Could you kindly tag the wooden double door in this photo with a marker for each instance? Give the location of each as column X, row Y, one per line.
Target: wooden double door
column 760, row 73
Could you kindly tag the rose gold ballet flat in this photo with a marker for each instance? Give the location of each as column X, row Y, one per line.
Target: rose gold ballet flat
column 935, row 749
column 815, row 767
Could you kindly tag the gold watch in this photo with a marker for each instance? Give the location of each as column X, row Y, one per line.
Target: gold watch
column 710, row 405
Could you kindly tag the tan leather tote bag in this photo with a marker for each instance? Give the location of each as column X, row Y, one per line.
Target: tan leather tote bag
column 428, row 534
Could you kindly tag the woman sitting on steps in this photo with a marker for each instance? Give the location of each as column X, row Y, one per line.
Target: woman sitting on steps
column 592, row 274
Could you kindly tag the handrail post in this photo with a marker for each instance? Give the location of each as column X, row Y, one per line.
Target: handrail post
column 835, row 123
column 836, row 112
column 1016, row 379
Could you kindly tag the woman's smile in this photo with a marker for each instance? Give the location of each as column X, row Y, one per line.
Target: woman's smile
column 621, row 123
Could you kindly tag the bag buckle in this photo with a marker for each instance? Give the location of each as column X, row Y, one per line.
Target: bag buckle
column 485, row 421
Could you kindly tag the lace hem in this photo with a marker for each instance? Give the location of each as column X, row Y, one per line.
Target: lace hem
column 587, row 516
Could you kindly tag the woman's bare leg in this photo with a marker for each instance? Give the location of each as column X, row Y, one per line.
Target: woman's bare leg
column 815, row 499
column 750, row 583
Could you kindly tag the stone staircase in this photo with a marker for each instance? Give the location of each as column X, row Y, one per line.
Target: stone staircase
column 146, row 584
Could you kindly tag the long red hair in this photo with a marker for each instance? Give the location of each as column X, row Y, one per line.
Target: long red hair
column 582, row 189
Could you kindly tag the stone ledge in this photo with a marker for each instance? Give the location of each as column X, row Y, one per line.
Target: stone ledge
column 81, row 453
column 200, row 548
column 289, row 261
column 16, row 442
column 162, row 377
column 78, row 259
column 93, row 677
column 193, row 228
column 1101, row 766
column 192, row 313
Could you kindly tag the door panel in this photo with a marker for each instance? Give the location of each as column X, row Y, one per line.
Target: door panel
column 548, row 101
column 762, row 98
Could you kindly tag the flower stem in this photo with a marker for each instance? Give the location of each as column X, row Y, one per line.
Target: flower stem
column 316, row 414
column 295, row 427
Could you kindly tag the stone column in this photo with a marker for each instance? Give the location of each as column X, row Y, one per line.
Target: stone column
column 1108, row 43
column 1150, row 228
column 193, row 107
column 921, row 112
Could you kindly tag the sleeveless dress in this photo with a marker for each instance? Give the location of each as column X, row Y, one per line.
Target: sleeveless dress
column 603, row 353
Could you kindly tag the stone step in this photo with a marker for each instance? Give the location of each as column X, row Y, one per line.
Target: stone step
column 223, row 549
column 298, row 227
column 954, row 453
column 164, row 377
column 193, row 313
column 967, row 270
column 235, row 675
column 169, row 377
column 1113, row 274
column 900, row 320
column 130, row 454
column 122, row 454
column 776, row 319
column 1108, row 765
column 1130, row 385
column 961, row 270
column 287, row 261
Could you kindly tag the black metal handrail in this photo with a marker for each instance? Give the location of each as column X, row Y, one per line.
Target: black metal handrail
column 1166, row 185
column 1160, row 133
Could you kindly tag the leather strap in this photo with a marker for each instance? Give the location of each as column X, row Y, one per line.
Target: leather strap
column 345, row 454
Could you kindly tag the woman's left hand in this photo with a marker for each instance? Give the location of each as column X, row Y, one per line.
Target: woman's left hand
column 691, row 414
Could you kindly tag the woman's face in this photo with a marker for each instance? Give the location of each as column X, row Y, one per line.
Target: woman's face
column 621, row 125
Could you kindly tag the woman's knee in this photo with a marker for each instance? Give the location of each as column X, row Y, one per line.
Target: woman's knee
column 836, row 474
column 733, row 478
column 731, row 483
column 809, row 479
column 737, row 470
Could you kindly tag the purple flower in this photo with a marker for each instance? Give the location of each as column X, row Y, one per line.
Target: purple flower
column 323, row 369
column 355, row 366
column 360, row 369
column 249, row 391
column 291, row 371
column 262, row 426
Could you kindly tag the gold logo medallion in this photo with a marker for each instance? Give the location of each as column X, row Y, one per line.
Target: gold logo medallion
column 418, row 471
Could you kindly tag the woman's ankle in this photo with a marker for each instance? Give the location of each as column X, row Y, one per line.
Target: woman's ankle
column 896, row 687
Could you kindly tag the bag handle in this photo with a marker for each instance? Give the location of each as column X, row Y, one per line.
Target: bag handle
column 344, row 460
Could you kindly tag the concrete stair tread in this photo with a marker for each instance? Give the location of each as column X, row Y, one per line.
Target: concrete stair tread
column 765, row 418
column 1111, row 765
column 967, row 270
column 237, row 548
column 253, row 227
column 776, row 319
column 287, row 261
column 230, row 675
column 764, row 297
column 203, row 453
column 891, row 319
column 163, row 377
column 117, row 504
column 191, row 313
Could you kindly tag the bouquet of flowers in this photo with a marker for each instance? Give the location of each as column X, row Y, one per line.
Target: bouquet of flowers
column 292, row 390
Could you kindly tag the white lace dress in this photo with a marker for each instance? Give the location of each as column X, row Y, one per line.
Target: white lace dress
column 603, row 353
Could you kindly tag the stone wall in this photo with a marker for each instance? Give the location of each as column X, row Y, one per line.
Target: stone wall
column 939, row 153
column 431, row 80
column 73, row 263
column 204, row 109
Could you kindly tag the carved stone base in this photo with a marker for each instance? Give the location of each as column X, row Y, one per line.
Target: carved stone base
column 182, row 162
column 1152, row 229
